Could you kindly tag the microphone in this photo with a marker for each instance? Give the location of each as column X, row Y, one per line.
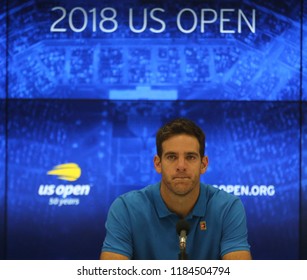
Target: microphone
column 182, row 228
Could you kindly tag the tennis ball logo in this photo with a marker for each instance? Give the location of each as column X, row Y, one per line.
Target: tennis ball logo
column 68, row 171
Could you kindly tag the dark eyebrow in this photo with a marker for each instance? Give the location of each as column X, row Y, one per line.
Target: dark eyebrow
column 170, row 153
column 187, row 153
column 192, row 154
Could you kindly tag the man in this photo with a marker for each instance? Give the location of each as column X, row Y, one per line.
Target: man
column 142, row 224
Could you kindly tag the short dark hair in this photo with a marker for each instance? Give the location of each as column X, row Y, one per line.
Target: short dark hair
column 177, row 127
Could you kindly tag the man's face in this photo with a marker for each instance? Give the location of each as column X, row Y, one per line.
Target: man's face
column 180, row 164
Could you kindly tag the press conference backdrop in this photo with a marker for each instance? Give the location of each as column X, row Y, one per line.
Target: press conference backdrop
column 85, row 85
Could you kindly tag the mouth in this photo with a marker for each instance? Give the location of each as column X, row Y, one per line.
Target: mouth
column 180, row 178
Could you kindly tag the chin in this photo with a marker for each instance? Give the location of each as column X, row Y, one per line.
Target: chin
column 182, row 189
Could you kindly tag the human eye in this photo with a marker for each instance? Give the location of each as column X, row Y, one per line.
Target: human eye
column 171, row 157
column 191, row 157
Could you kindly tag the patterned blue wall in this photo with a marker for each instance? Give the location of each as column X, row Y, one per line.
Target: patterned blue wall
column 94, row 93
column 62, row 49
column 2, row 126
column 303, row 212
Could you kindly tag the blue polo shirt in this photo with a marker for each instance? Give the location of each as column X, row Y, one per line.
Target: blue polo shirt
column 140, row 226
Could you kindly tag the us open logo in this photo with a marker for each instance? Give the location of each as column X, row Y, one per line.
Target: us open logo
column 65, row 194
column 67, row 171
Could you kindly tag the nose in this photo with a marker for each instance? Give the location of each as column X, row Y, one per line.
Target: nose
column 181, row 164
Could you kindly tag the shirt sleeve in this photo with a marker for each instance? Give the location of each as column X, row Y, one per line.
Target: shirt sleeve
column 118, row 231
column 234, row 237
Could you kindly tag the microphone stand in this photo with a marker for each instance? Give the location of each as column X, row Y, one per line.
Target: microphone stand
column 182, row 228
column 182, row 255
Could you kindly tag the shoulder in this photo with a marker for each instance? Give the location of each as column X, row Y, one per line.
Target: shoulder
column 132, row 208
column 139, row 195
column 217, row 194
column 220, row 199
column 137, row 198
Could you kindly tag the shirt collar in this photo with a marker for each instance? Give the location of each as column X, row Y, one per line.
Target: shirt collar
column 161, row 208
column 199, row 209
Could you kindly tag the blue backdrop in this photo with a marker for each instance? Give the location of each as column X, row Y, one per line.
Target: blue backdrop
column 90, row 84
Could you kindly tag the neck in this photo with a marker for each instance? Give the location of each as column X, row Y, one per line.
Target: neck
column 181, row 205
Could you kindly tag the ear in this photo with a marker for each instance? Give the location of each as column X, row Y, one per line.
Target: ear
column 157, row 164
column 204, row 164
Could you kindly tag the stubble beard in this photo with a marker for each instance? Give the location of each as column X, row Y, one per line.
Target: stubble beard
column 180, row 189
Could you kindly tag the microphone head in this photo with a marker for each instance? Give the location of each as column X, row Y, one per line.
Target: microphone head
column 182, row 225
